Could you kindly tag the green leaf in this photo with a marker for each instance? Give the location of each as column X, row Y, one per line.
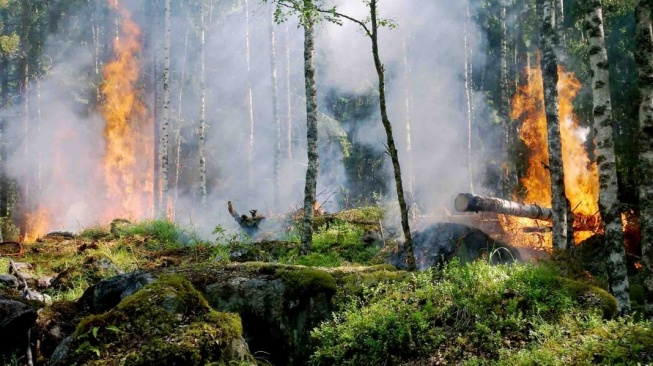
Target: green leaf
column 94, row 331
column 114, row 329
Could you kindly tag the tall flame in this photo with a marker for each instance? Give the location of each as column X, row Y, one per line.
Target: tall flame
column 128, row 133
column 581, row 174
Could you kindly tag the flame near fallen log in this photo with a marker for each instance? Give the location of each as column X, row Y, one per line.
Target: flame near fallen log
column 581, row 174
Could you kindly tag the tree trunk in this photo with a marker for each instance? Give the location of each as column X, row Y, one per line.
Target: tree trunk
column 408, row 100
column 250, row 107
column 509, row 177
column 560, row 22
column 644, row 59
column 26, row 202
column 392, row 150
column 311, row 131
column 468, row 97
column 466, row 202
column 156, row 57
column 202, row 128
column 606, row 160
column 275, row 116
column 182, row 78
column 165, row 120
column 288, row 99
column 549, row 65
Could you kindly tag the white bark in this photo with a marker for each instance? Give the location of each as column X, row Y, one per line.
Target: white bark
column 275, row 115
column 250, row 106
column 165, row 120
column 202, row 127
column 606, row 160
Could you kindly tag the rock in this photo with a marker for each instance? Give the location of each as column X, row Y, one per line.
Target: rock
column 108, row 293
column 44, row 282
column 62, row 350
column 441, row 242
column 279, row 306
column 167, row 322
column 29, row 294
column 16, row 319
column 9, row 281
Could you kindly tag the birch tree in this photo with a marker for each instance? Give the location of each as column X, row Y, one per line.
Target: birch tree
column 308, row 16
column 606, row 160
column 509, row 177
column 165, row 120
column 250, row 105
column 202, row 122
column 275, row 115
column 644, row 60
column 549, row 66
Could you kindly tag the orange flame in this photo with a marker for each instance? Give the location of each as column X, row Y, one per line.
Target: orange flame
column 128, row 132
column 37, row 224
column 581, row 175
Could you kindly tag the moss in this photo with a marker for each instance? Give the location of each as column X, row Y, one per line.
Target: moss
column 306, row 281
column 168, row 322
column 590, row 296
column 95, row 233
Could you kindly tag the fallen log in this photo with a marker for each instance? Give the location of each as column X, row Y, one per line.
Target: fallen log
column 466, row 202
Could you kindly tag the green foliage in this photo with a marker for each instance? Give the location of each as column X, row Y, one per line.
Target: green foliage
column 588, row 341
column 95, row 233
column 459, row 310
column 163, row 232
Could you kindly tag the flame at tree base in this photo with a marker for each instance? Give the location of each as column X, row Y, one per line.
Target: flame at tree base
column 581, row 174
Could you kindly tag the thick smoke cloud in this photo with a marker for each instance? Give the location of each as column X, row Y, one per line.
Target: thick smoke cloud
column 432, row 31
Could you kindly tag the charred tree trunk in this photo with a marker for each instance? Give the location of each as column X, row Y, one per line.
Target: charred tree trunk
column 466, row 202
column 644, row 59
column 549, row 65
column 275, row 115
column 606, row 160
column 311, row 130
column 202, row 127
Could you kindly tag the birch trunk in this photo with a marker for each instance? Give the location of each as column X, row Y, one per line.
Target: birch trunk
column 549, row 66
column 180, row 104
column 560, row 22
column 311, row 130
column 250, row 107
column 392, row 150
column 408, row 100
column 26, row 207
column 468, row 97
column 288, row 99
column 606, row 160
column 508, row 168
column 275, row 115
column 644, row 59
column 165, row 120
column 156, row 57
column 202, row 127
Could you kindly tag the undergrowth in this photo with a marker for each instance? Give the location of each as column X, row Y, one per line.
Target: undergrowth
column 455, row 314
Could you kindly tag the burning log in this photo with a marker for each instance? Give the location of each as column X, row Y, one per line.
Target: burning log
column 466, row 202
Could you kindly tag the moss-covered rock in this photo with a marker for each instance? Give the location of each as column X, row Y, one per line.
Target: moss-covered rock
column 94, row 268
column 167, row 322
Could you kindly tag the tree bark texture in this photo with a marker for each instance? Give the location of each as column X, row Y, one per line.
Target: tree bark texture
column 165, row 120
column 392, row 150
column 202, row 126
column 466, row 202
column 606, row 160
column 509, row 174
column 644, row 60
column 549, row 66
column 311, row 130
column 468, row 96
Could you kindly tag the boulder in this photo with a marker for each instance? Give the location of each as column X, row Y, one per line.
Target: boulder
column 110, row 292
column 167, row 322
column 16, row 319
column 441, row 242
column 9, row 281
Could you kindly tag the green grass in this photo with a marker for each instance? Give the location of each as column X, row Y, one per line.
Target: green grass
column 163, row 233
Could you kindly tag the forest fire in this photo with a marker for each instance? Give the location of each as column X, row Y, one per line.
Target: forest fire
column 127, row 162
column 581, row 175
column 37, row 223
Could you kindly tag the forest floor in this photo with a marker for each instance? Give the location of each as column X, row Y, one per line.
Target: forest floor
column 372, row 314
